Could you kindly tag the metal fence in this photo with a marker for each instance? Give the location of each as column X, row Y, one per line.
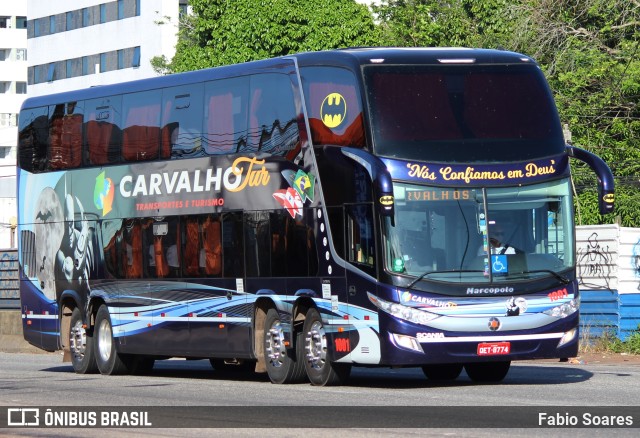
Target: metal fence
column 9, row 283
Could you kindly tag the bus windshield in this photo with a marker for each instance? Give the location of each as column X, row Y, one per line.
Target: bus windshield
column 482, row 234
column 462, row 112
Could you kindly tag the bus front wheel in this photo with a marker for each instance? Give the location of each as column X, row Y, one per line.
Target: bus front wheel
column 320, row 370
column 284, row 365
column 83, row 358
column 487, row 371
column 108, row 360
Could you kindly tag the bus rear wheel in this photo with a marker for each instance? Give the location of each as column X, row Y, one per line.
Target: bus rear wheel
column 83, row 358
column 320, row 370
column 109, row 361
column 284, row 365
column 442, row 372
column 487, row 371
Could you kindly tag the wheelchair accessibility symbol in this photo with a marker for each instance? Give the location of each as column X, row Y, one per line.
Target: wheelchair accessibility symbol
column 499, row 264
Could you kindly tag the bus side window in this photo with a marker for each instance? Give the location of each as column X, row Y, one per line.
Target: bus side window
column 360, row 240
column 141, row 133
column 33, row 138
column 102, row 130
column 232, row 245
column 65, row 137
column 182, row 111
column 321, row 87
column 272, row 115
column 212, row 246
column 225, row 115
column 192, row 247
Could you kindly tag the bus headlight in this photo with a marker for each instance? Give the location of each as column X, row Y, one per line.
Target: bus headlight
column 563, row 310
column 400, row 311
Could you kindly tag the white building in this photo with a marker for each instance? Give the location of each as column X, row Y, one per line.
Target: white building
column 82, row 43
column 13, row 89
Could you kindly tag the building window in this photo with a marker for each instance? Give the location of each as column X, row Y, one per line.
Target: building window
column 120, row 9
column 21, row 54
column 137, row 8
column 4, row 22
column 120, row 59
column 21, row 88
column 4, row 54
column 51, row 72
column 52, row 24
column 136, row 57
column 103, row 13
column 21, row 22
column 36, row 28
column 85, row 65
column 103, row 62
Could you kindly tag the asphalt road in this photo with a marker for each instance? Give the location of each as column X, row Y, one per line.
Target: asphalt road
column 371, row 404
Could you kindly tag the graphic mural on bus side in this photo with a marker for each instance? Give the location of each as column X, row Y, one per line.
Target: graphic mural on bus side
column 65, row 213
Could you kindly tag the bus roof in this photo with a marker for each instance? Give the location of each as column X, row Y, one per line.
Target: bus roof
column 352, row 58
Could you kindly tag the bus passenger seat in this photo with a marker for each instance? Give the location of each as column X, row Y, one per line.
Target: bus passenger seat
column 212, row 246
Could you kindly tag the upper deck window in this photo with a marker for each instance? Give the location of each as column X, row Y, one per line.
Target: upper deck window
column 333, row 106
column 462, row 113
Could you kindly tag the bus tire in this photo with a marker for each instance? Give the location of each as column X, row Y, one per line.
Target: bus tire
column 108, row 360
column 283, row 365
column 442, row 372
column 487, row 371
column 320, row 370
column 81, row 346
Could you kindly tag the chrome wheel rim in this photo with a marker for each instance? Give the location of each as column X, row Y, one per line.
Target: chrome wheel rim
column 78, row 340
column 275, row 348
column 104, row 340
column 316, row 346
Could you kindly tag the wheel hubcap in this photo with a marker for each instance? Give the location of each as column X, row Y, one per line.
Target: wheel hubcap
column 316, row 345
column 104, row 340
column 275, row 348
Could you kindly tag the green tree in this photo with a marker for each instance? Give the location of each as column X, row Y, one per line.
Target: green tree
column 589, row 50
column 226, row 32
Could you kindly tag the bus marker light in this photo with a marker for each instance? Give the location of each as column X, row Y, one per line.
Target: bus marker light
column 28, row 322
column 162, row 315
column 340, row 329
column 221, row 326
column 366, row 317
column 148, row 324
column 345, row 317
column 135, row 313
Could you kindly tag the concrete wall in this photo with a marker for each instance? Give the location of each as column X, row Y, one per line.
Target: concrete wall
column 608, row 259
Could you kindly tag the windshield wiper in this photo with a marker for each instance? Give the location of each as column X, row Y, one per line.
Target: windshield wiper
column 561, row 278
column 450, row 271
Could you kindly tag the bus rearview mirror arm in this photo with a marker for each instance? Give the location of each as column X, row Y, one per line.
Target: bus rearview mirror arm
column 380, row 177
column 606, row 197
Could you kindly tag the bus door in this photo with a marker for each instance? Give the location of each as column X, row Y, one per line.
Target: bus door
column 363, row 343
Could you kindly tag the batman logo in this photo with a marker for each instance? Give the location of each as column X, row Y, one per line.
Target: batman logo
column 609, row 198
column 386, row 200
column 333, row 110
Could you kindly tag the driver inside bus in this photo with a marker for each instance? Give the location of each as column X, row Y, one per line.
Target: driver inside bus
column 498, row 241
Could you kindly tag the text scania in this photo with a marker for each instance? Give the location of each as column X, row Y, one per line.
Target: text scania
column 489, row 290
column 244, row 172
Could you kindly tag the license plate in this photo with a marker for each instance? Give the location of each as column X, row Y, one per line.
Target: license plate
column 494, row 348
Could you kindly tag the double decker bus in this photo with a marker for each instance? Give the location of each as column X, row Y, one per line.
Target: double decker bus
column 305, row 214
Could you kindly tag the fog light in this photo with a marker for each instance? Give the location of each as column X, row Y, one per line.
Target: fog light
column 568, row 337
column 407, row 342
